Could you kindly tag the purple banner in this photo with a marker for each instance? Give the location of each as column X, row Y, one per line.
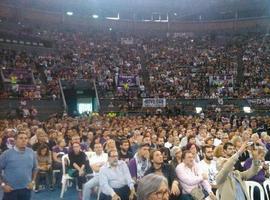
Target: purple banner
column 130, row 80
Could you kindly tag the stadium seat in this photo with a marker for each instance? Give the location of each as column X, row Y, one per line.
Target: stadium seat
column 55, row 171
column 250, row 188
column 65, row 177
column 266, row 185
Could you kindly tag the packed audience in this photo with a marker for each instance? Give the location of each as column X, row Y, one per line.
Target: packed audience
column 179, row 66
column 191, row 67
column 180, row 157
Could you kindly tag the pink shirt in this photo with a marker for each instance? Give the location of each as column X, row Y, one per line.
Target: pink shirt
column 191, row 178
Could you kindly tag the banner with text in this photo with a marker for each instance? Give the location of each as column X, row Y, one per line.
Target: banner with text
column 154, row 102
column 259, row 101
column 130, row 80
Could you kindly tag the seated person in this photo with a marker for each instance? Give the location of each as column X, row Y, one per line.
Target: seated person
column 153, row 187
column 79, row 164
column 42, row 138
column 44, row 159
column 115, row 180
column 140, row 163
column 57, row 151
column 163, row 169
column 264, row 172
column 96, row 162
column 191, row 179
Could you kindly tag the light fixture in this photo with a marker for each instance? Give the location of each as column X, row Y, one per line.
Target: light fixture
column 69, row 13
column 110, row 29
column 95, row 16
column 175, row 14
column 247, row 109
column 198, row 110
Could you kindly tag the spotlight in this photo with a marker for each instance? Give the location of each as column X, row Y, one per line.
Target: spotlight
column 69, row 13
column 247, row 109
column 110, row 29
column 95, row 16
column 175, row 14
column 198, row 110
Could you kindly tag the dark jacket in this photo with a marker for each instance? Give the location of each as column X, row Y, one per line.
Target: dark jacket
column 168, row 172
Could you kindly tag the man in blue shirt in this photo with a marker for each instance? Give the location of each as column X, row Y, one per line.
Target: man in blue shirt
column 19, row 168
column 115, row 180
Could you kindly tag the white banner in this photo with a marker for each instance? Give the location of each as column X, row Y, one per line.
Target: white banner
column 127, row 41
column 154, row 102
column 259, row 101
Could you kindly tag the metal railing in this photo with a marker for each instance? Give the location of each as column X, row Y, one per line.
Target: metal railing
column 97, row 97
column 63, row 95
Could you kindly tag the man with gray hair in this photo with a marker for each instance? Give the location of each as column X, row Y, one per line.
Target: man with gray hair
column 153, row 186
column 115, row 180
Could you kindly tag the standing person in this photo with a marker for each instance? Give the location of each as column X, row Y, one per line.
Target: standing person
column 231, row 182
column 19, row 168
column 229, row 151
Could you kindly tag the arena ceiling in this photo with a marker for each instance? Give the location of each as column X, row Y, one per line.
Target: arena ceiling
column 154, row 9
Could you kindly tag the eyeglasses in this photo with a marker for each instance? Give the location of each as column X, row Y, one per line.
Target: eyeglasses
column 162, row 193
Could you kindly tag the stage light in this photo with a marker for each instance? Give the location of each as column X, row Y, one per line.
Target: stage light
column 247, row 109
column 69, row 13
column 95, row 16
column 198, row 110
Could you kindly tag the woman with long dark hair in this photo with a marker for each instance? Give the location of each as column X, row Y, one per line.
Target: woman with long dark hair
column 44, row 159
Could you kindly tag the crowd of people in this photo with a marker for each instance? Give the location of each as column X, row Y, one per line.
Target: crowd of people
column 177, row 65
column 183, row 157
column 204, row 67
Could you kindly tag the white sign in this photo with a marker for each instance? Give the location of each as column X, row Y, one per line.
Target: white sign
column 154, row 102
column 262, row 101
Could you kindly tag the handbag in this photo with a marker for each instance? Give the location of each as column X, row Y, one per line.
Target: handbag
column 71, row 172
column 197, row 193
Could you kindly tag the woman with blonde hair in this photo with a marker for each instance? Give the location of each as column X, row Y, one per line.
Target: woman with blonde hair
column 218, row 151
column 237, row 143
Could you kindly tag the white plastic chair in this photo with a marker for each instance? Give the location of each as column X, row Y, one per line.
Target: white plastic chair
column 250, row 188
column 65, row 177
column 266, row 185
column 90, row 154
column 55, row 171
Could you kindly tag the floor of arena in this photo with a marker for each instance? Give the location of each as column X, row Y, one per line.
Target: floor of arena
column 70, row 194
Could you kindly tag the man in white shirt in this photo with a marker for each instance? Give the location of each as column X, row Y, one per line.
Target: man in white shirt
column 96, row 162
column 169, row 143
column 208, row 165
